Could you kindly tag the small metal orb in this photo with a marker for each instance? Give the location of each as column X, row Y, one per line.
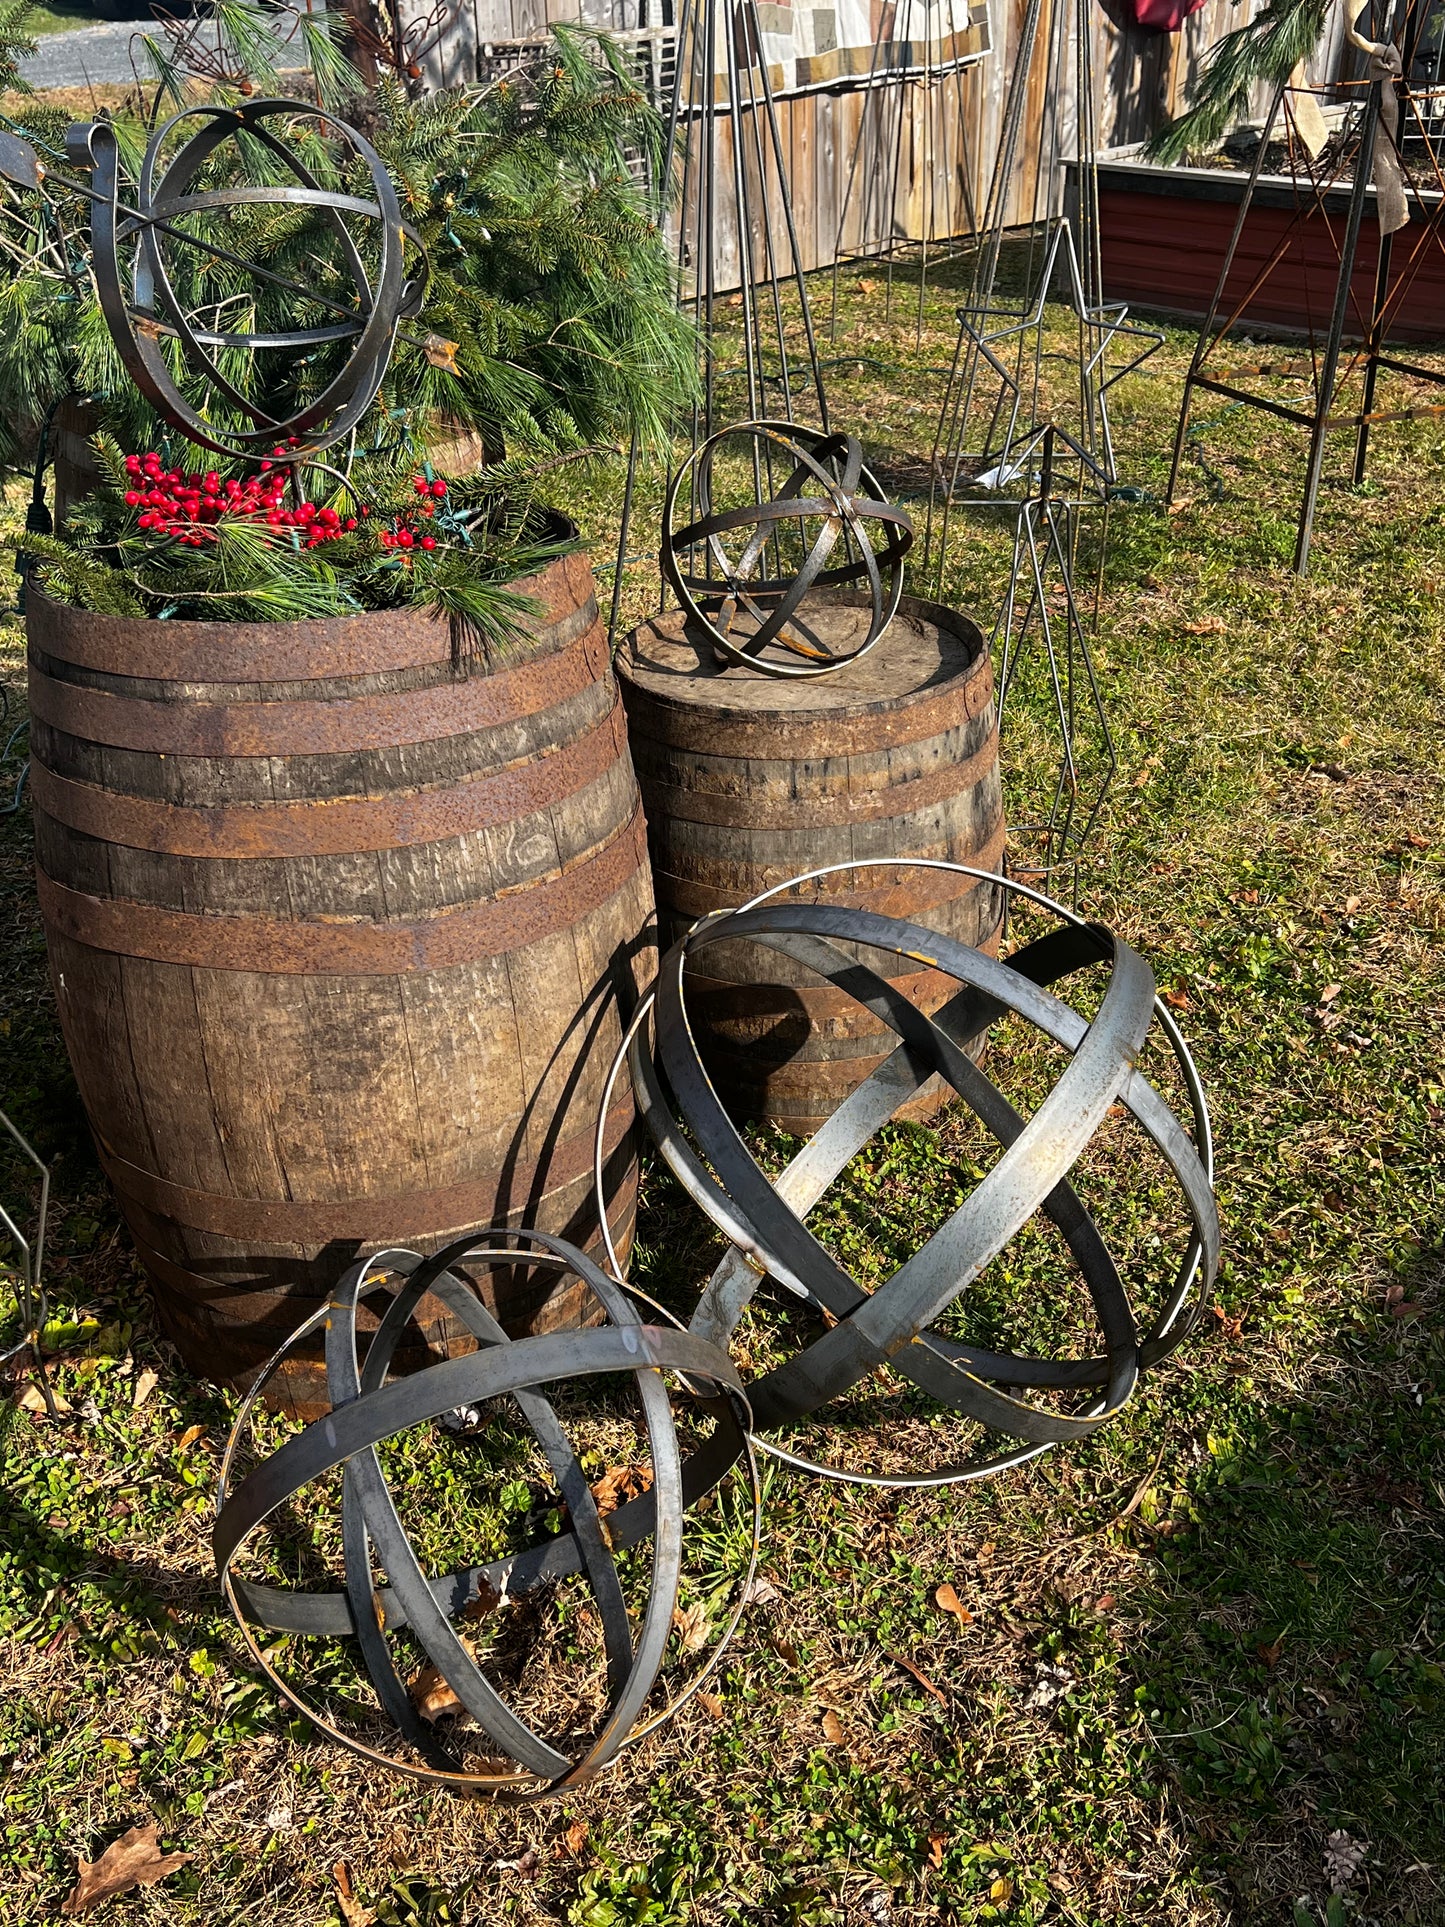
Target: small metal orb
column 137, row 285
column 769, row 503
column 369, row 1406
column 892, row 1327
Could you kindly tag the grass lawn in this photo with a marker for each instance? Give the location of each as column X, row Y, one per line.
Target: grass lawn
column 1190, row 1650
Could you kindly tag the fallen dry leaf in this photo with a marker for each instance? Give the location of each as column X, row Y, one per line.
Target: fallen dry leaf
column 832, row 1728
column 575, row 1838
column 918, row 1673
column 1407, row 1310
column 1103, row 1602
column 353, row 1911
column 1330, row 992
column 135, row 1860
column 986, row 1552
column 1352, row 904
column 189, row 1436
column 1270, row 1654
column 431, row 1695
column 1002, row 1891
column 690, row 1625
column 1176, row 999
column 936, row 1843
column 948, row 1601
column 1211, row 626
column 761, row 1591
column 144, row 1386
column 1230, row 1328
column 618, row 1484
column 711, row 1704
column 32, row 1399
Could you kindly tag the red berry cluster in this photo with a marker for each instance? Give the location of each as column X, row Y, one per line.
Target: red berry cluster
column 188, row 505
column 404, row 534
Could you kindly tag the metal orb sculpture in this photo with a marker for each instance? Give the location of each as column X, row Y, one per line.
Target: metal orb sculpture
column 749, row 564
column 892, row 1326
column 137, row 281
column 369, row 1406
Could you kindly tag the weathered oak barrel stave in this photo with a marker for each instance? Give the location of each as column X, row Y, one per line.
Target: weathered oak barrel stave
column 339, row 934
column 748, row 780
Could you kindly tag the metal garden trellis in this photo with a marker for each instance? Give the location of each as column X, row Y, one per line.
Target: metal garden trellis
column 1391, row 147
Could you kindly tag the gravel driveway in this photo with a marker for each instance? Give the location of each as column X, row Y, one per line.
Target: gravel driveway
column 100, row 53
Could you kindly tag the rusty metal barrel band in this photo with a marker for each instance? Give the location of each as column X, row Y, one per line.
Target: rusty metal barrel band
column 332, row 825
column 367, row 1409
column 455, row 708
column 305, row 947
column 946, row 782
column 244, row 652
column 686, row 897
column 317, row 1221
column 808, row 734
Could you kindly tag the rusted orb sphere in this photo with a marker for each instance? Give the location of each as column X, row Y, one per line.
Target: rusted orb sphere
column 140, row 282
column 370, row 1407
column 775, row 512
column 903, row 1325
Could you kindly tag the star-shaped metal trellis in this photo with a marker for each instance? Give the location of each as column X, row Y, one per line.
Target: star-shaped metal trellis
column 992, row 423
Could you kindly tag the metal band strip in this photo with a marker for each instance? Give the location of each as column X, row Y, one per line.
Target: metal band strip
column 668, row 803
column 247, row 728
column 682, row 896
column 316, row 947
column 317, row 1221
column 719, row 1000
column 807, row 734
column 295, row 651
column 455, row 1381
column 332, row 825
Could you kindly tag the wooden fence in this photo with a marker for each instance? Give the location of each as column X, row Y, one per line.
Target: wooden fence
column 933, row 182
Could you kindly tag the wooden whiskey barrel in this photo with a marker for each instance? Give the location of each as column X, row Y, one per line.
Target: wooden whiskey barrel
column 338, row 933
column 748, row 780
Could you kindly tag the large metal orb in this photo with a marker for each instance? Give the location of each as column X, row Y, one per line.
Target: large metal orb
column 891, row 1328
column 137, row 284
column 769, row 504
column 369, row 1407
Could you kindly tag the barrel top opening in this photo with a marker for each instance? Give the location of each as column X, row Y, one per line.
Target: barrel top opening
column 927, row 647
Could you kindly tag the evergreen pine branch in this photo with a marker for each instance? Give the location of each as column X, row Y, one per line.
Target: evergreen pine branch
column 337, row 81
column 16, row 43
column 79, row 578
column 1268, row 48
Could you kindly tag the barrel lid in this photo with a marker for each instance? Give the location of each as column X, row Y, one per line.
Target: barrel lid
column 926, row 648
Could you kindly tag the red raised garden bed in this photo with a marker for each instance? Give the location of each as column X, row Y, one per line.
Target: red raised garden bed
column 1164, row 232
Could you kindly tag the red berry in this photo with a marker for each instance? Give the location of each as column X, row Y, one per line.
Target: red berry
column 132, row 496
column 428, row 541
column 439, row 488
column 406, row 538
column 350, row 523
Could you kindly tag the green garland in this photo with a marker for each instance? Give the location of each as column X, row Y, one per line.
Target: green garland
column 1267, row 49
